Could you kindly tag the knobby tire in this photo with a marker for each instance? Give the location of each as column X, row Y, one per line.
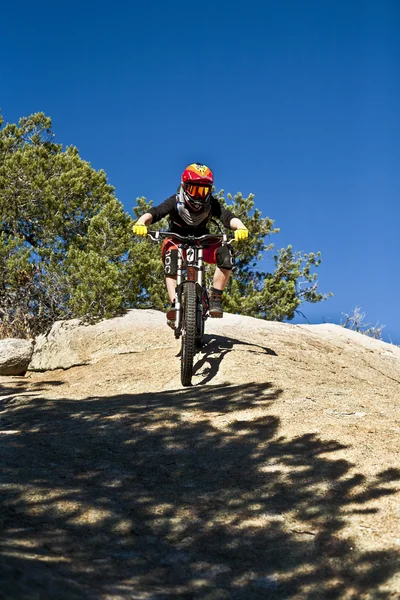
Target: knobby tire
column 200, row 326
column 202, row 309
column 188, row 332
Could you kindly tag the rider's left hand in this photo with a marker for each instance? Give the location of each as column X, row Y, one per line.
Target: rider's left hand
column 140, row 229
column 241, row 234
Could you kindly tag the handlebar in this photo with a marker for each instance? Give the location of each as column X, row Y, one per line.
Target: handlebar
column 190, row 239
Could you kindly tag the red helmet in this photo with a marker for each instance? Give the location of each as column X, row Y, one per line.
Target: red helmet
column 197, row 181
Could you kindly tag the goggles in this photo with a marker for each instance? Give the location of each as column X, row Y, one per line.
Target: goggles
column 197, row 191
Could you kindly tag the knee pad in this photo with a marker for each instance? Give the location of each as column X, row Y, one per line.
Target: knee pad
column 225, row 257
column 171, row 262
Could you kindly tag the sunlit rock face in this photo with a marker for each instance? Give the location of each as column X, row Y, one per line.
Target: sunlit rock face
column 15, row 356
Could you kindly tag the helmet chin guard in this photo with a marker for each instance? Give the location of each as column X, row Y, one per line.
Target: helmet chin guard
column 192, row 215
column 196, row 203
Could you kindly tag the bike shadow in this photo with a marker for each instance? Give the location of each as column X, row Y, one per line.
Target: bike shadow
column 214, row 350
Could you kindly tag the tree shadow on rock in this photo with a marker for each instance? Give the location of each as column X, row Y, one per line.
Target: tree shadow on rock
column 169, row 495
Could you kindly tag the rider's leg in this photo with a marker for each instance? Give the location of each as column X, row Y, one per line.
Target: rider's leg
column 224, row 259
column 171, row 287
column 221, row 278
column 170, row 256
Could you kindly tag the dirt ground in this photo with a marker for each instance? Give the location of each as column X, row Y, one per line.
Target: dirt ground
column 276, row 475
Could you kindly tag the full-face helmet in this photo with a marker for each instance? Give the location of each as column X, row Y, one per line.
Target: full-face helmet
column 197, row 181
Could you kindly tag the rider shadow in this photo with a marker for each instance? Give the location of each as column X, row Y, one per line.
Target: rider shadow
column 214, row 350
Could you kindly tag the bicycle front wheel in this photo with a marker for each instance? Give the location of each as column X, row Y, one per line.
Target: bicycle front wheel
column 188, row 332
column 202, row 308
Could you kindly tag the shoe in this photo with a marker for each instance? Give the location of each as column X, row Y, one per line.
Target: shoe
column 171, row 316
column 215, row 309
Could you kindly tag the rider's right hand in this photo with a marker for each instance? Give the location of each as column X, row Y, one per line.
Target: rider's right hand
column 140, row 229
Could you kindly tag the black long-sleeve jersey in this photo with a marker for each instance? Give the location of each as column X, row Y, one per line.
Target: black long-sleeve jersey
column 178, row 225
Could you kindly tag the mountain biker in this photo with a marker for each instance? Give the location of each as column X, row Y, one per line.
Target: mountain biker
column 190, row 211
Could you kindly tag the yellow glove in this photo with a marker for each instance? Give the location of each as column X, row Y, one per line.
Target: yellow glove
column 139, row 229
column 241, row 234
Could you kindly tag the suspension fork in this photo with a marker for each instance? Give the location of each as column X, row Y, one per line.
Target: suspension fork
column 178, row 297
column 200, row 267
column 194, row 273
column 201, row 284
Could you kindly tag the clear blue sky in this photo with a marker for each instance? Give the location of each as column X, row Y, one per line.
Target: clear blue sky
column 295, row 101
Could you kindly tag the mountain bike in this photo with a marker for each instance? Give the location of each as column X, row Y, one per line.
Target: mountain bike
column 192, row 302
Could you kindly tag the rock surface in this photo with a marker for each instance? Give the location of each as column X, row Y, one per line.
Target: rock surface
column 276, row 475
column 15, row 356
column 70, row 344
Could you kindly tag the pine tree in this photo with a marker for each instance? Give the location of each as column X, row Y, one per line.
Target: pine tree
column 65, row 240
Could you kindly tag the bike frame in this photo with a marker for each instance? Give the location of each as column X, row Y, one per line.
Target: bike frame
column 194, row 272
column 193, row 263
column 191, row 299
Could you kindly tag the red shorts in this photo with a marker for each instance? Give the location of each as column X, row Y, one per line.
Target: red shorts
column 209, row 252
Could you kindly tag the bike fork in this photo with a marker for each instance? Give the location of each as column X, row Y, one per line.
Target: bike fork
column 178, row 297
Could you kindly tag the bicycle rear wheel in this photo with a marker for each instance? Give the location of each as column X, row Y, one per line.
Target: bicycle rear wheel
column 188, row 349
